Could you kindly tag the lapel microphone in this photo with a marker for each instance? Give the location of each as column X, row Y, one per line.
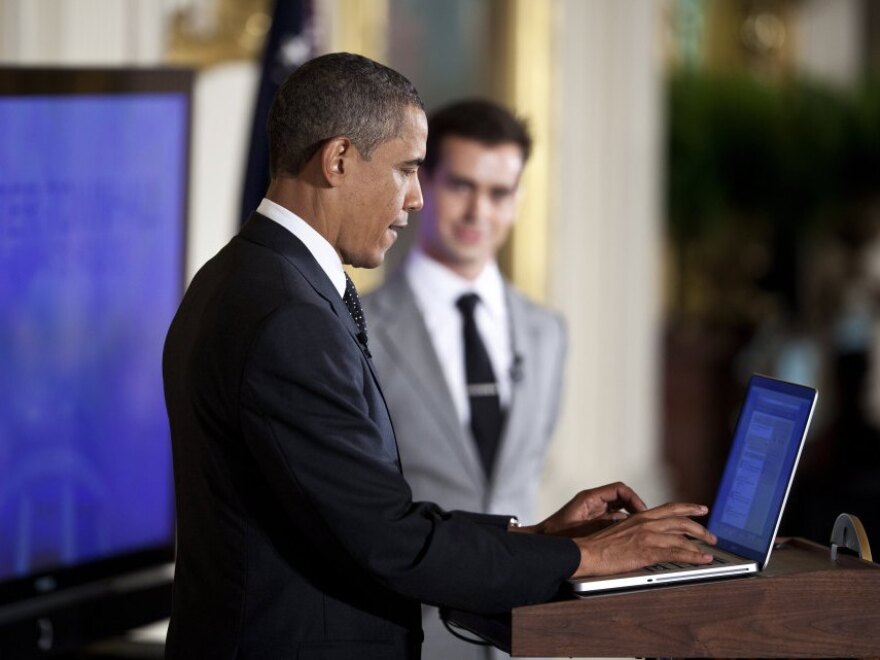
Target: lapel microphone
column 362, row 340
column 516, row 369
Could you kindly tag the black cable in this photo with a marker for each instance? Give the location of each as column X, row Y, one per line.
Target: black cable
column 469, row 640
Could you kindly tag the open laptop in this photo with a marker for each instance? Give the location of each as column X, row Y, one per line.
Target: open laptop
column 760, row 468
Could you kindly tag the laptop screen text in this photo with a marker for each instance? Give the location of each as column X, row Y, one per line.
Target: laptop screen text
column 758, row 471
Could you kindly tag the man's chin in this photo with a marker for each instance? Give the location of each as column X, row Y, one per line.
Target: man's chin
column 470, row 257
column 368, row 260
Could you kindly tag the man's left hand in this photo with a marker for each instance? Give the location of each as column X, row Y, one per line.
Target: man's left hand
column 591, row 510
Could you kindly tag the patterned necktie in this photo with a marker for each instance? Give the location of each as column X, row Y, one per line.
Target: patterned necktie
column 353, row 302
column 482, row 388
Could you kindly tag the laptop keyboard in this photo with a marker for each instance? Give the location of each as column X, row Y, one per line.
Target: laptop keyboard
column 672, row 566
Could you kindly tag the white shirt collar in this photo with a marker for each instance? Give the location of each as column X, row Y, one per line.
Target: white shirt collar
column 317, row 245
column 435, row 286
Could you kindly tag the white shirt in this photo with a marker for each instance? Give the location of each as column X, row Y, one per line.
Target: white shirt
column 324, row 253
column 436, row 290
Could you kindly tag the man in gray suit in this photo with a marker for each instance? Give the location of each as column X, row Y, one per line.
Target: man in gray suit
column 471, row 370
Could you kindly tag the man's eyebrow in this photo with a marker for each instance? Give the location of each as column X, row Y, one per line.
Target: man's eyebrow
column 415, row 162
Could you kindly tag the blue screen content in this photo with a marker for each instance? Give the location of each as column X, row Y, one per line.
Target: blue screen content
column 762, row 457
column 92, row 195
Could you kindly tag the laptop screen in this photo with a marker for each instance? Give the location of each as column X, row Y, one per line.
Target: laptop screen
column 765, row 450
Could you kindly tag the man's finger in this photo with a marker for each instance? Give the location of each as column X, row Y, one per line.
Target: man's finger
column 676, row 510
column 689, row 553
column 621, row 496
column 688, row 527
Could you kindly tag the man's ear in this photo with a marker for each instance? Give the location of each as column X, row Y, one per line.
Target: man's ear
column 336, row 156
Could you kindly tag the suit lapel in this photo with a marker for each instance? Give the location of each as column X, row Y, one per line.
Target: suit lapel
column 264, row 231
column 270, row 234
column 404, row 336
column 522, row 345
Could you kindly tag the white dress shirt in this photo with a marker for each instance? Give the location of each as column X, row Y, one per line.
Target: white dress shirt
column 436, row 290
column 324, row 253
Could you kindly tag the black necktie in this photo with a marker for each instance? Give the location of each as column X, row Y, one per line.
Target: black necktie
column 482, row 388
column 353, row 302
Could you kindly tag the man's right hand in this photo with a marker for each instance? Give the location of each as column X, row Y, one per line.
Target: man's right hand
column 649, row 537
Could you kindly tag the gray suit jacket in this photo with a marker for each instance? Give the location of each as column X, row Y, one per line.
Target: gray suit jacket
column 438, row 455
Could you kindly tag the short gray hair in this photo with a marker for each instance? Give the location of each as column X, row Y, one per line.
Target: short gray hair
column 335, row 95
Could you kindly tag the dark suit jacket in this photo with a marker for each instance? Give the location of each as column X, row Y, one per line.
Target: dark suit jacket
column 297, row 533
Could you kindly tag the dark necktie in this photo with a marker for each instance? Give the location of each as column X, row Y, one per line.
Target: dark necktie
column 482, row 388
column 353, row 302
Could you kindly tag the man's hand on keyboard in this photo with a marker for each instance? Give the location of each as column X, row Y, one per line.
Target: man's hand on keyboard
column 648, row 537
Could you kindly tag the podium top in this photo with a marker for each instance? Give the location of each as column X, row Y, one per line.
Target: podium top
column 802, row 605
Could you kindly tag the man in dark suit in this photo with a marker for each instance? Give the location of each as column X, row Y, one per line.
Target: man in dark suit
column 297, row 533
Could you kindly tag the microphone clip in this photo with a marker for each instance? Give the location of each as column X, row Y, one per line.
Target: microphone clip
column 362, row 340
column 516, row 369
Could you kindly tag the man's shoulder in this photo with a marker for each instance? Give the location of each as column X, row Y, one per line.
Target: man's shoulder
column 522, row 305
column 388, row 296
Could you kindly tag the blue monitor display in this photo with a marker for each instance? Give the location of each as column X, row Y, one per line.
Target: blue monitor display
column 92, row 211
column 766, row 446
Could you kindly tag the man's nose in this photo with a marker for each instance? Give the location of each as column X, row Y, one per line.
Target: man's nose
column 414, row 200
column 478, row 206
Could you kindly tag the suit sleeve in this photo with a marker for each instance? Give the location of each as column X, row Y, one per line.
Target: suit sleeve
column 558, row 366
column 307, row 421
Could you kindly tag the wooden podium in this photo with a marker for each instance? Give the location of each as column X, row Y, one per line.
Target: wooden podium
column 804, row 605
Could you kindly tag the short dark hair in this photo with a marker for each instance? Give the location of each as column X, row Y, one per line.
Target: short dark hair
column 475, row 119
column 334, row 95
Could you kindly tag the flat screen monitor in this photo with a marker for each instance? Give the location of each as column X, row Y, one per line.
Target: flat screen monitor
column 93, row 200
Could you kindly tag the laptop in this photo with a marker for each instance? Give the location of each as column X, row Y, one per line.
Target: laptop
column 767, row 444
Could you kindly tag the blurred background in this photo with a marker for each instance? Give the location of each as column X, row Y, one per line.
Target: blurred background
column 702, row 203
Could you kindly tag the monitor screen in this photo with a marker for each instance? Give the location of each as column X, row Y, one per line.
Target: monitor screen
column 93, row 192
column 766, row 445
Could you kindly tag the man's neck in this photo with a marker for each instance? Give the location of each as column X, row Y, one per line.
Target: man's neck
column 299, row 196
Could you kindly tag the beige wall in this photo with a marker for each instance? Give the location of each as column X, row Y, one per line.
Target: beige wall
column 604, row 247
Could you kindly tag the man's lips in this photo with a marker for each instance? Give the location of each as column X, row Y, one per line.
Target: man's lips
column 468, row 235
column 396, row 227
